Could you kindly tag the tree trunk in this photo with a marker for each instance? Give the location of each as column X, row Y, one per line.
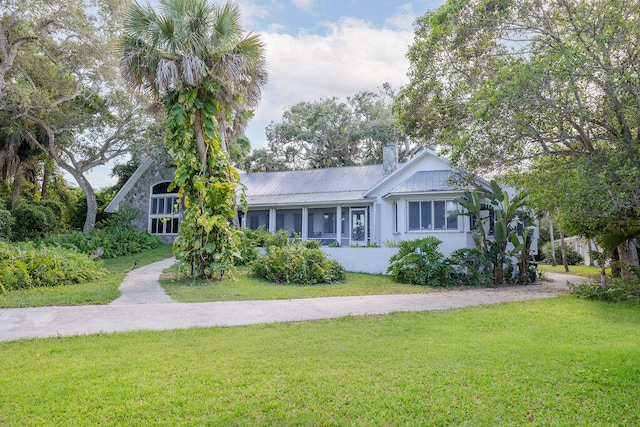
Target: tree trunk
column 90, row 196
column 48, row 168
column 198, row 130
column 563, row 250
column 616, row 271
column 629, row 257
column 17, row 187
column 553, row 243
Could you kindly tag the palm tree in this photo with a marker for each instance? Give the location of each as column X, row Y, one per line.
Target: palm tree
column 192, row 44
column 195, row 58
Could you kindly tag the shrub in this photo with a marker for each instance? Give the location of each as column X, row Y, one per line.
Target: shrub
column 418, row 262
column 280, row 238
column 573, row 257
column 7, row 224
column 24, row 265
column 297, row 264
column 247, row 247
column 116, row 241
column 33, row 221
column 617, row 290
column 471, row 267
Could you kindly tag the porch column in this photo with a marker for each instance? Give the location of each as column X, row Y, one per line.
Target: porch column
column 339, row 225
column 304, row 233
column 272, row 220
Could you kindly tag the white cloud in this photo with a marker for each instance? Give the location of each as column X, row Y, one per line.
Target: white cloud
column 303, row 4
column 351, row 57
column 404, row 17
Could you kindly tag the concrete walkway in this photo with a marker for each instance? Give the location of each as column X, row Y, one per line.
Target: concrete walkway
column 145, row 306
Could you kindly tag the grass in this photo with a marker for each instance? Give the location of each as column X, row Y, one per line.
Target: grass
column 561, row 361
column 246, row 287
column 576, row 270
column 101, row 291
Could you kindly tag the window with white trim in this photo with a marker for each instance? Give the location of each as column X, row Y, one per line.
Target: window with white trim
column 164, row 210
column 432, row 215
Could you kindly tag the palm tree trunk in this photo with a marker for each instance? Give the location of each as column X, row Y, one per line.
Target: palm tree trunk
column 198, row 129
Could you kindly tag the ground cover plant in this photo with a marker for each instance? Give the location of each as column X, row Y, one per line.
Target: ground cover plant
column 94, row 290
column 561, row 361
column 27, row 265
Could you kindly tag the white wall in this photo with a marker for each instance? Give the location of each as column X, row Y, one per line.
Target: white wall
column 362, row 260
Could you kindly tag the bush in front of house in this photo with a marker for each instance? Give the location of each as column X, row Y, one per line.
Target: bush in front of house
column 471, row 267
column 420, row 263
column 617, row 290
column 573, row 257
column 24, row 265
column 297, row 263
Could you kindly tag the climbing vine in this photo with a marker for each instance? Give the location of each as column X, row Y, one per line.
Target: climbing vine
column 206, row 181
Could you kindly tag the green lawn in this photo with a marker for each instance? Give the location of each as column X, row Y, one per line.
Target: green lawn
column 101, row 291
column 243, row 286
column 577, row 270
column 561, row 361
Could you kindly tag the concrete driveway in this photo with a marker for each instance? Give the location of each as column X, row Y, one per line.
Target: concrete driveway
column 144, row 305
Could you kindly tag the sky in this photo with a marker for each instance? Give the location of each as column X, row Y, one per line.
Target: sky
column 318, row 49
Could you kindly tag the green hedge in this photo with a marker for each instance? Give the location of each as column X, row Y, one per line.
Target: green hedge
column 24, row 265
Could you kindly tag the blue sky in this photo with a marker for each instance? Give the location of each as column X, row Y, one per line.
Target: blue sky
column 322, row 48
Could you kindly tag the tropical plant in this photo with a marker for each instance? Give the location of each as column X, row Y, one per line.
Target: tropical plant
column 195, row 58
column 419, row 262
column 495, row 210
column 471, row 267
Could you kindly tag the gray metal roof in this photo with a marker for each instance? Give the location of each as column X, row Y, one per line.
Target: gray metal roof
column 347, row 183
column 426, row 182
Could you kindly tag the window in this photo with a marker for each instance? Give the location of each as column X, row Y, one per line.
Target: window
column 434, row 215
column 164, row 210
column 396, row 227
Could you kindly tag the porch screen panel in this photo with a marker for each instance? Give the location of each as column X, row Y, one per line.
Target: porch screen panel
column 289, row 220
column 257, row 219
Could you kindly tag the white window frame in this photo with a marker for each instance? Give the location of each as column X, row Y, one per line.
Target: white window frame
column 169, row 218
column 431, row 227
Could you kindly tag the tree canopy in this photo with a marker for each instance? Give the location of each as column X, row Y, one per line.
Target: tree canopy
column 331, row 132
column 60, row 92
column 550, row 89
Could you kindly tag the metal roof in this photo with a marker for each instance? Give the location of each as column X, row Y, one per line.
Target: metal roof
column 426, row 182
column 347, row 183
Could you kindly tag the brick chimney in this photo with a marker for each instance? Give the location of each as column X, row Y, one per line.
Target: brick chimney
column 389, row 158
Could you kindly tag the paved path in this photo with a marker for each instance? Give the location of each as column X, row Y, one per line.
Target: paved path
column 144, row 306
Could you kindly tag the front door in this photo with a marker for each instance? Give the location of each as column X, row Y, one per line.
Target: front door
column 358, row 227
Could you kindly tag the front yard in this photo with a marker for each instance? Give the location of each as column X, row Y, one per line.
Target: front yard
column 243, row 286
column 561, row 361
